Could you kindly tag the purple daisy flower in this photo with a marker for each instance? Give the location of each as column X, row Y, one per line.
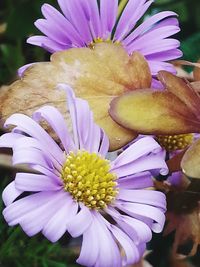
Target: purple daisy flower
column 77, row 190
column 84, row 22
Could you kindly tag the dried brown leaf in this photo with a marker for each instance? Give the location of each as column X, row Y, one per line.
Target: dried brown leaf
column 190, row 163
column 97, row 75
column 187, row 227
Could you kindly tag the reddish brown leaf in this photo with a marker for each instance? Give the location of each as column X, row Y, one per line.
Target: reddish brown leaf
column 182, row 89
column 153, row 112
column 187, row 227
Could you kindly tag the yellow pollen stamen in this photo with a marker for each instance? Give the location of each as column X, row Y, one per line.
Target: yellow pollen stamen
column 100, row 40
column 175, row 142
column 88, row 179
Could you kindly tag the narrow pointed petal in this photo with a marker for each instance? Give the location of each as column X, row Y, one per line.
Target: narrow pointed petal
column 137, row 181
column 35, row 182
column 108, row 14
column 57, row 225
column 57, row 122
column 30, row 127
column 90, row 247
column 10, row 193
column 80, row 223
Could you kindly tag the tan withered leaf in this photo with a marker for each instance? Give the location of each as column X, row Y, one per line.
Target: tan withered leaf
column 193, row 76
column 174, row 110
column 97, row 75
column 190, row 163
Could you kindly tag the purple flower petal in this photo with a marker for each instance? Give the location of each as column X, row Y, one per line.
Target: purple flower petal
column 136, row 181
column 167, row 55
column 81, row 24
column 30, row 156
column 57, row 122
column 89, row 137
column 147, row 24
column 155, row 214
column 64, row 7
column 176, row 178
column 149, row 163
column 31, row 144
column 104, row 146
column 93, row 17
column 35, row 182
column 108, row 246
column 30, row 127
column 148, row 197
column 43, row 213
column 142, row 147
column 23, row 69
column 90, row 247
column 57, row 225
column 47, row 43
column 20, row 209
column 137, row 230
column 133, row 11
column 69, row 32
column 9, row 139
column 130, row 249
column 164, row 45
column 10, row 193
column 155, row 66
column 108, row 14
column 153, row 36
column 80, row 222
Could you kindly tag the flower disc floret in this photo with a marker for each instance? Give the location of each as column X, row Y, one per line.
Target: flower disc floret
column 88, row 179
column 175, row 142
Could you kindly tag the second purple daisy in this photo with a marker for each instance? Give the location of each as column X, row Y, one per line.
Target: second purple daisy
column 83, row 23
column 76, row 189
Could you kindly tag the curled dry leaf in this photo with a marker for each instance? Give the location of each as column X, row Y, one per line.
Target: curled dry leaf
column 190, row 163
column 195, row 76
column 180, row 72
column 97, row 75
column 175, row 110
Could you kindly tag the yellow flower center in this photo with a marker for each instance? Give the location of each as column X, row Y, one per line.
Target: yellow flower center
column 88, row 179
column 174, row 142
column 100, row 40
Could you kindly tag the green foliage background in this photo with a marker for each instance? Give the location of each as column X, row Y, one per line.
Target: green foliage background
column 18, row 16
